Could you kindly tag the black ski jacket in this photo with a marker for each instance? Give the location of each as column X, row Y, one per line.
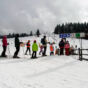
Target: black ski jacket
column 17, row 42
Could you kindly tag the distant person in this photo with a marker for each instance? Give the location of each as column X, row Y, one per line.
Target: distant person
column 4, row 41
column 34, row 49
column 67, row 48
column 28, row 48
column 44, row 43
column 17, row 46
column 61, row 45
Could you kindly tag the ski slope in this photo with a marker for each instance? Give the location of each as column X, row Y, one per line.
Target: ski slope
column 44, row 72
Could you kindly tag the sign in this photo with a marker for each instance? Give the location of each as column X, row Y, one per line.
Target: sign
column 82, row 34
column 64, row 35
column 77, row 35
column 72, row 35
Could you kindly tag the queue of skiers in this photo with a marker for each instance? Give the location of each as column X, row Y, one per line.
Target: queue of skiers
column 63, row 46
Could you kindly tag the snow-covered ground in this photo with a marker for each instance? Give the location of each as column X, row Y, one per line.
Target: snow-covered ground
column 44, row 72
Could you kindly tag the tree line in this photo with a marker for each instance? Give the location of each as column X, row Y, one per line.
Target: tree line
column 71, row 28
column 12, row 35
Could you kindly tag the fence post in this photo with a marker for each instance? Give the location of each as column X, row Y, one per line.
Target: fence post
column 80, row 54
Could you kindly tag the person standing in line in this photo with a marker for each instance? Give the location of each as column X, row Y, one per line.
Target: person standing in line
column 34, row 49
column 44, row 43
column 67, row 48
column 51, row 49
column 61, row 45
column 41, row 48
column 28, row 48
column 17, row 46
column 4, row 41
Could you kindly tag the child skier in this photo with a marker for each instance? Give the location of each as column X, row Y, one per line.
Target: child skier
column 28, row 48
column 41, row 48
column 51, row 49
column 57, row 50
column 67, row 47
column 34, row 49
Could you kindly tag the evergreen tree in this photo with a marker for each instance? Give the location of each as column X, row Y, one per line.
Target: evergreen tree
column 31, row 34
column 71, row 28
column 56, row 30
column 38, row 33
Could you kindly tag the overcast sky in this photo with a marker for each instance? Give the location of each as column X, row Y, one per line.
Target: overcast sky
column 26, row 15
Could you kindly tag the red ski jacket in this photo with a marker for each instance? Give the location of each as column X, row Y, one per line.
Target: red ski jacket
column 4, row 41
column 51, row 48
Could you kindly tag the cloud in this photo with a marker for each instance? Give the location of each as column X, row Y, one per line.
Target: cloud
column 26, row 15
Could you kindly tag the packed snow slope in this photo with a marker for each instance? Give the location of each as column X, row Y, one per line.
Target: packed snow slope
column 44, row 72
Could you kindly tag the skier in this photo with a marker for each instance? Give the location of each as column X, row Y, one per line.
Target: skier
column 67, row 48
column 44, row 43
column 41, row 48
column 51, row 49
column 61, row 45
column 34, row 49
column 17, row 46
column 4, row 41
column 28, row 48
column 57, row 51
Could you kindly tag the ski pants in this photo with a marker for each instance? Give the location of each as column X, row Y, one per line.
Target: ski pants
column 44, row 52
column 61, row 51
column 28, row 49
column 34, row 54
column 67, row 51
column 51, row 53
column 4, row 51
column 17, row 51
